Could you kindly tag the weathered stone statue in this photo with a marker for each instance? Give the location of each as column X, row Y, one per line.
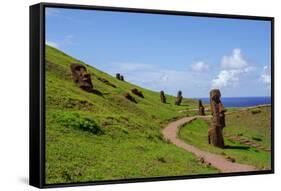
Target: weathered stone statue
column 122, row 78
column 118, row 76
column 137, row 92
column 215, row 134
column 130, row 97
column 162, row 97
column 106, row 82
column 201, row 108
column 179, row 98
column 81, row 77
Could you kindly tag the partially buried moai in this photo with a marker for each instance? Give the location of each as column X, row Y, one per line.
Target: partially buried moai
column 122, row 78
column 81, row 77
column 215, row 134
column 178, row 98
column 162, row 97
column 118, row 76
column 201, row 109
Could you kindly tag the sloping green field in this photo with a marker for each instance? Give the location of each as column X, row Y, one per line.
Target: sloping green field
column 247, row 136
column 91, row 137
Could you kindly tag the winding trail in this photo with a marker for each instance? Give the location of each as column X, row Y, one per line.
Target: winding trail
column 216, row 160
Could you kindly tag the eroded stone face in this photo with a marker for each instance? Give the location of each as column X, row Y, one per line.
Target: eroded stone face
column 81, row 77
column 137, row 92
column 122, row 78
column 179, row 98
column 218, row 123
column 130, row 97
column 118, row 76
column 162, row 97
column 201, row 109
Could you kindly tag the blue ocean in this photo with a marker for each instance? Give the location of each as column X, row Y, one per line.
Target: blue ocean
column 241, row 101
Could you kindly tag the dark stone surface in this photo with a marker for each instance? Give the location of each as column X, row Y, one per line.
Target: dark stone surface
column 162, row 97
column 215, row 134
column 201, row 109
column 81, row 77
column 130, row 97
column 137, row 92
column 118, row 76
column 106, row 82
column 178, row 98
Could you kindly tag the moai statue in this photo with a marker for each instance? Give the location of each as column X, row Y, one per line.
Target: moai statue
column 215, row 134
column 81, row 77
column 122, row 78
column 130, row 97
column 118, row 76
column 179, row 98
column 137, row 92
column 201, row 108
column 162, row 97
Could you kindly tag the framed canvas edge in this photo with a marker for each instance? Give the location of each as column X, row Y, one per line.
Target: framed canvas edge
column 40, row 150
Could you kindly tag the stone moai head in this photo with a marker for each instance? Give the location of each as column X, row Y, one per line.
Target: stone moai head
column 201, row 109
column 162, row 96
column 218, row 123
column 217, row 107
column 178, row 98
column 130, row 97
column 81, row 77
column 122, row 78
column 200, row 103
column 215, row 95
column 118, row 76
column 179, row 93
column 137, row 92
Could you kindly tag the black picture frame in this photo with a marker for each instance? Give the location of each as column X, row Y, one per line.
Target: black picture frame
column 37, row 93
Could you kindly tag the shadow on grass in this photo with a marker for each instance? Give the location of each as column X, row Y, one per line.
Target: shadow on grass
column 97, row 92
column 237, row 147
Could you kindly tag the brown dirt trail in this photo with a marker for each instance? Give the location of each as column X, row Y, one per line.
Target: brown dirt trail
column 216, row 160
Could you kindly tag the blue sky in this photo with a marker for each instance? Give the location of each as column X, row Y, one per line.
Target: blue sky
column 166, row 52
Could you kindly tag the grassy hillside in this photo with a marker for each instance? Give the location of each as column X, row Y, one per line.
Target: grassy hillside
column 92, row 137
column 247, row 134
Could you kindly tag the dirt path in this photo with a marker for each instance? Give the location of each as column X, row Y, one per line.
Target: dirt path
column 216, row 160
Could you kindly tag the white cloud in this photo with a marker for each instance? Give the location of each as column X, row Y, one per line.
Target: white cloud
column 158, row 78
column 266, row 76
column 234, row 61
column 226, row 78
column 53, row 44
column 199, row 66
column 233, row 68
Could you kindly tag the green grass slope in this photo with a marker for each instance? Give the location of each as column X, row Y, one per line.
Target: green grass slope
column 92, row 137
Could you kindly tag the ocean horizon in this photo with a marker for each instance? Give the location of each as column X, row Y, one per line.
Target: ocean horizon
column 241, row 101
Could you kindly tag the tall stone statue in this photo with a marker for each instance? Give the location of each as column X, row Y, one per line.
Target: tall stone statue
column 215, row 134
column 178, row 98
column 81, row 77
column 162, row 97
column 201, row 109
